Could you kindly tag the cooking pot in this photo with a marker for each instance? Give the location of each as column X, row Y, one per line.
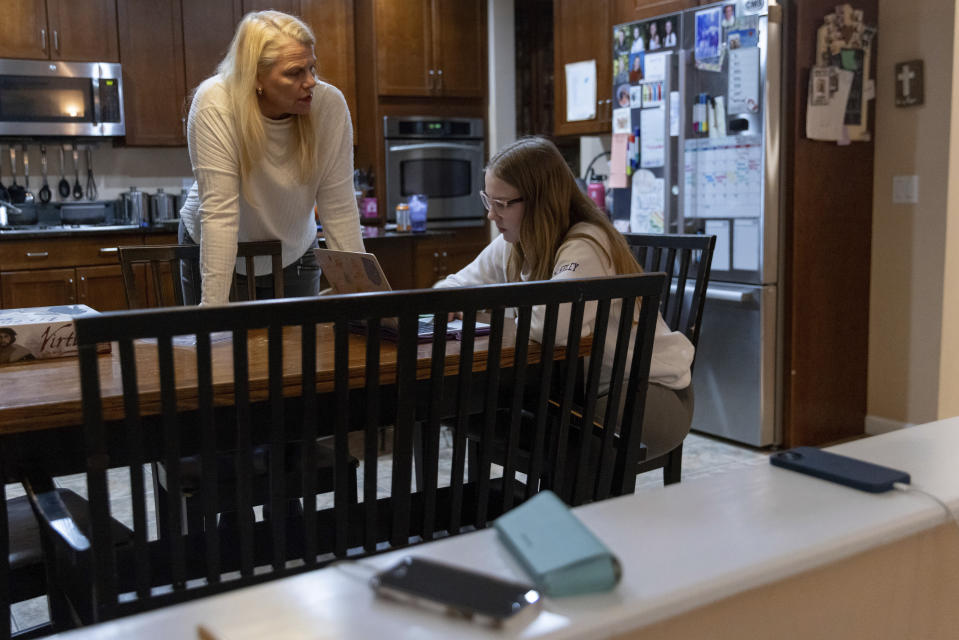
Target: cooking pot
column 134, row 207
column 162, row 207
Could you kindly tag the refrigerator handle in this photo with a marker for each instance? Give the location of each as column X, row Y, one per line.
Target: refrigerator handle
column 729, row 295
column 718, row 292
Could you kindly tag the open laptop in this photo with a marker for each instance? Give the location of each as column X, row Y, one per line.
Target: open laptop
column 354, row 272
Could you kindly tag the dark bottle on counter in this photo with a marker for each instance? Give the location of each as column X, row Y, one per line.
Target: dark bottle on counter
column 365, row 198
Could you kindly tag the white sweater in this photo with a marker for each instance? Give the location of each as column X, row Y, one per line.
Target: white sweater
column 579, row 258
column 216, row 213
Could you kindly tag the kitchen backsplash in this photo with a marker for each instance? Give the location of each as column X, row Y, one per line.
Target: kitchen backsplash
column 115, row 169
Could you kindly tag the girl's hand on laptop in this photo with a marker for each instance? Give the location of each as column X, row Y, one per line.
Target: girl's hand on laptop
column 454, row 315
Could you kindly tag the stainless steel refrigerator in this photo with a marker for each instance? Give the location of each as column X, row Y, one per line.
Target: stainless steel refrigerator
column 696, row 132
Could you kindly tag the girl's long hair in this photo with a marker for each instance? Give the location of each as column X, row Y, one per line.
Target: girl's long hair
column 553, row 204
column 253, row 51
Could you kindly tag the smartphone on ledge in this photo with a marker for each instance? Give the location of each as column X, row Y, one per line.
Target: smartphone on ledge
column 457, row 591
column 844, row 470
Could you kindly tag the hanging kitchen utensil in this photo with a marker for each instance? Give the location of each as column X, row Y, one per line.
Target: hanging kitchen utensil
column 27, row 194
column 16, row 191
column 91, row 183
column 63, row 188
column 4, row 194
column 45, row 189
column 77, row 189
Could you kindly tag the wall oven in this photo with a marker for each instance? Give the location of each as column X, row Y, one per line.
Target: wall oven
column 440, row 157
column 54, row 98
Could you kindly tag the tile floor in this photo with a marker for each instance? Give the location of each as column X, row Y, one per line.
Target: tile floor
column 702, row 456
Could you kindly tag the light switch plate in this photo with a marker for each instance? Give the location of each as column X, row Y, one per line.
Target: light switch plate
column 905, row 189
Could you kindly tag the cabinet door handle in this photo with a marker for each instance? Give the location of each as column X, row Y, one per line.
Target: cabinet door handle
column 432, row 78
column 43, row 39
column 38, row 254
column 439, row 80
column 105, row 251
column 56, row 41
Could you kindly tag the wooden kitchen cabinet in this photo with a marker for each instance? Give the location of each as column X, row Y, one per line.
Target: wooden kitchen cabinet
column 101, row 288
column 332, row 22
column 74, row 30
column 168, row 47
column 63, row 270
column 208, row 28
column 430, row 47
column 154, row 92
column 583, row 31
column 632, row 10
column 41, row 288
column 437, row 258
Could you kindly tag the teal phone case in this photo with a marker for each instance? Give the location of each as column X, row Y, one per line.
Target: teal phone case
column 561, row 555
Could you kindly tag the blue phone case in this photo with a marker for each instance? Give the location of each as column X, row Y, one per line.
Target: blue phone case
column 833, row 467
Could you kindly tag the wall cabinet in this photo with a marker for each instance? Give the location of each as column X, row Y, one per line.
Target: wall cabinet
column 332, row 22
column 208, row 28
column 151, row 50
column 75, row 30
column 583, row 31
column 168, row 47
column 430, row 47
column 631, row 10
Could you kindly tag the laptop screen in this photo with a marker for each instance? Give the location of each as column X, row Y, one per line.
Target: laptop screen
column 351, row 272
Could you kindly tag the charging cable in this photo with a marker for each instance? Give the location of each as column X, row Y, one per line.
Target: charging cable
column 353, row 569
column 908, row 488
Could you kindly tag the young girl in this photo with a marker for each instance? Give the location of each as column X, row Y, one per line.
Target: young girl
column 550, row 230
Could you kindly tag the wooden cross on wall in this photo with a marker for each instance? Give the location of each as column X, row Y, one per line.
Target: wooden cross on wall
column 909, row 91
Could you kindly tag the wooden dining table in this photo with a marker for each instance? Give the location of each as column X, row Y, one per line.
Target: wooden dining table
column 42, row 398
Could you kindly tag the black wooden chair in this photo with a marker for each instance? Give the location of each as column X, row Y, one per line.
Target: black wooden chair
column 164, row 265
column 152, row 273
column 686, row 260
column 372, row 383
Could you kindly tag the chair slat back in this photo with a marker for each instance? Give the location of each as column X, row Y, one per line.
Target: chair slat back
column 285, row 372
column 152, row 274
column 686, row 260
column 248, row 252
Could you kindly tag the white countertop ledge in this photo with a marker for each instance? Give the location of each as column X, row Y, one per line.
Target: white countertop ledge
column 681, row 547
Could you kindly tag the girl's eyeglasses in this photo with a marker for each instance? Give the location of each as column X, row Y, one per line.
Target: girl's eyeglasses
column 499, row 205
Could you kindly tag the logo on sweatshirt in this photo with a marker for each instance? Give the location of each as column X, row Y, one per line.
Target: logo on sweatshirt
column 572, row 266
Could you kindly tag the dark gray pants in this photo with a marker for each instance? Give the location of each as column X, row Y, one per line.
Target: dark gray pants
column 667, row 417
column 300, row 279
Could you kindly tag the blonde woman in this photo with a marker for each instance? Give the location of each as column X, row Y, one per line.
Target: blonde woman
column 550, row 230
column 267, row 142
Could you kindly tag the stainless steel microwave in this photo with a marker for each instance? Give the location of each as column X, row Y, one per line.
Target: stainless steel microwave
column 53, row 98
column 439, row 157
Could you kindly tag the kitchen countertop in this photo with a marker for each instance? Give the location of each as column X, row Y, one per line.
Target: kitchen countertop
column 683, row 548
column 61, row 231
